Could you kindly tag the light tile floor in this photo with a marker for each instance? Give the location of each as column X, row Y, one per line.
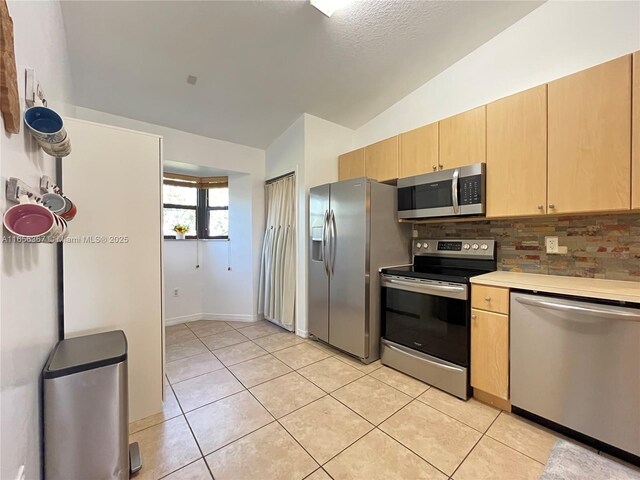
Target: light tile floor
column 249, row 401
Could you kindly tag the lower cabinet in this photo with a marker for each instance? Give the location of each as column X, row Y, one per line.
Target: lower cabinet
column 490, row 355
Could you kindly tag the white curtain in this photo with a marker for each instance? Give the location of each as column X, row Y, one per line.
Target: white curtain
column 277, row 295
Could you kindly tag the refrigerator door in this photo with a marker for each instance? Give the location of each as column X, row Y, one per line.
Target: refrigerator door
column 348, row 266
column 318, row 266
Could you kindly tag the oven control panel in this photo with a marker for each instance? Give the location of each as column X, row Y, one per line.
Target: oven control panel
column 454, row 248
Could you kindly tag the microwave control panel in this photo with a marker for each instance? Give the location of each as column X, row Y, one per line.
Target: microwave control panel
column 470, row 190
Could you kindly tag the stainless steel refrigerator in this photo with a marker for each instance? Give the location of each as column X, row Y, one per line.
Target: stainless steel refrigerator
column 354, row 232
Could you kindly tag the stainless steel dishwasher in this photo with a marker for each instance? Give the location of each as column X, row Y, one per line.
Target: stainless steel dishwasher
column 577, row 364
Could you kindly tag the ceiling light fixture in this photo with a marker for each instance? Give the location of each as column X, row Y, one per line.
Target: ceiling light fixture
column 328, row 7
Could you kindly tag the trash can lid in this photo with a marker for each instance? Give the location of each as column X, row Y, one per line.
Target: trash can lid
column 78, row 354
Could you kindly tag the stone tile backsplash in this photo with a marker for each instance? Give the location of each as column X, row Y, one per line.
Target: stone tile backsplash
column 599, row 246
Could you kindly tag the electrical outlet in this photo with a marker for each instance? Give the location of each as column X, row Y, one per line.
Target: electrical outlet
column 553, row 247
column 20, row 475
column 176, row 292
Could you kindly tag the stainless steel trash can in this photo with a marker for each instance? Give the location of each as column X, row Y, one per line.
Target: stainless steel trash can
column 86, row 415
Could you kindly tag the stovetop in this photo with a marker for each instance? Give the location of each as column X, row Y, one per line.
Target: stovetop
column 440, row 273
column 448, row 260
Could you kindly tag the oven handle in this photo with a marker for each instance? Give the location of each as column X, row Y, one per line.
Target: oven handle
column 449, row 291
column 407, row 352
column 426, row 287
column 454, row 191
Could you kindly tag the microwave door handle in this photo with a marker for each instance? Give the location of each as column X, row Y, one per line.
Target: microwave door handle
column 454, row 191
column 325, row 228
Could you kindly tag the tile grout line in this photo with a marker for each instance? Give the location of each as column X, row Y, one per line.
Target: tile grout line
column 319, row 468
column 456, row 419
column 415, row 453
column 281, row 426
column 475, row 445
column 506, row 445
column 330, row 394
column 195, row 439
column 184, row 466
column 289, row 413
column 275, row 419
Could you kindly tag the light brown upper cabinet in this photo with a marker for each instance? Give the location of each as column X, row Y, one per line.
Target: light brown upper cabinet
column 635, row 135
column 589, row 163
column 419, row 151
column 463, row 139
column 517, row 154
column 381, row 160
column 351, row 165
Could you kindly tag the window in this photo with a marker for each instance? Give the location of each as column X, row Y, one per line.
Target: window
column 201, row 204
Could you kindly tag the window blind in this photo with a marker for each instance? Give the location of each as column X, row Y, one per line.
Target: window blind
column 181, row 180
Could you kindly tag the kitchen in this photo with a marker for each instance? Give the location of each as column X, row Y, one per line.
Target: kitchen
column 468, row 331
column 454, row 320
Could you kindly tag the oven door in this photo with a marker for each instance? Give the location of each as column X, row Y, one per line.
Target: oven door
column 429, row 316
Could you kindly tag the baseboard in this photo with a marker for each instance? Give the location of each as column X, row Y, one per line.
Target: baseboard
column 302, row 333
column 183, row 319
column 231, row 317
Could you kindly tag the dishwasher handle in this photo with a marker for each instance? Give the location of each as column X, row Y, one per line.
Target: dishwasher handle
column 603, row 311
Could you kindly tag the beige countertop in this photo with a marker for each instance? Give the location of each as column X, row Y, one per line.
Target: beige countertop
column 580, row 287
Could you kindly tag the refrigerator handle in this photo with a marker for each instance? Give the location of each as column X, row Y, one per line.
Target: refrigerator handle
column 325, row 228
column 332, row 242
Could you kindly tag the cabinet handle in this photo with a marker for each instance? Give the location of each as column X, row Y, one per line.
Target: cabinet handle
column 435, row 167
column 487, row 299
column 473, row 317
column 441, row 166
column 551, row 205
column 540, row 207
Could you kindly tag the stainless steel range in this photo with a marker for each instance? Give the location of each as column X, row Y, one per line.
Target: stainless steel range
column 426, row 311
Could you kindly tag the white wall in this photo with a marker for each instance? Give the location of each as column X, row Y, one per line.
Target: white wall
column 324, row 141
column 28, row 296
column 214, row 291
column 227, row 292
column 556, row 39
column 309, row 147
column 180, row 258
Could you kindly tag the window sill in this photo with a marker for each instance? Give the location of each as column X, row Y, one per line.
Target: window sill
column 197, row 239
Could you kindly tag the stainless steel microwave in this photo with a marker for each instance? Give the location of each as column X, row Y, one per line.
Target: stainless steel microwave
column 448, row 193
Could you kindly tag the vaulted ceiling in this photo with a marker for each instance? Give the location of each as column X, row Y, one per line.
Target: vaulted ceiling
column 261, row 64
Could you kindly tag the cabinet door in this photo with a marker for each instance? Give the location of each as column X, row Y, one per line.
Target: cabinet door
column 635, row 135
column 351, row 165
column 463, row 139
column 490, row 353
column 419, row 151
column 381, row 160
column 517, row 154
column 590, row 139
